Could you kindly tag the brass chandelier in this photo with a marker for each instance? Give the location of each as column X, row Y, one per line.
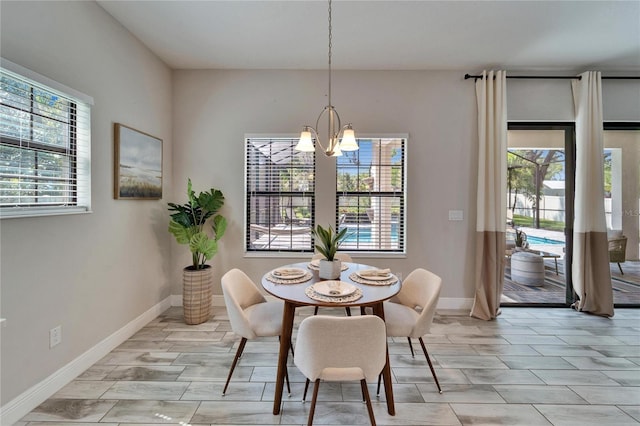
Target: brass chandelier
column 339, row 138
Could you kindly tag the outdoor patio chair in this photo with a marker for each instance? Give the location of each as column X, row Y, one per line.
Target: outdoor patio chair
column 617, row 250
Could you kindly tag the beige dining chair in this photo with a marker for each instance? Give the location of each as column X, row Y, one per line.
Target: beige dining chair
column 410, row 313
column 250, row 314
column 337, row 349
column 342, row 257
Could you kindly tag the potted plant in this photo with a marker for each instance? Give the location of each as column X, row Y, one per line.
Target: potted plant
column 327, row 244
column 521, row 239
column 187, row 225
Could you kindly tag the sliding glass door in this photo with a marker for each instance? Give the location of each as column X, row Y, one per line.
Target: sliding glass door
column 539, row 213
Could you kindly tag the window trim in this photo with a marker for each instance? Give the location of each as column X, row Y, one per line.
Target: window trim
column 83, row 156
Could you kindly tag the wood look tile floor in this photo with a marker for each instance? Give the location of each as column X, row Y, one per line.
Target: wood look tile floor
column 531, row 366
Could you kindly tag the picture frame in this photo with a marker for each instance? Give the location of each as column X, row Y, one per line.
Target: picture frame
column 137, row 164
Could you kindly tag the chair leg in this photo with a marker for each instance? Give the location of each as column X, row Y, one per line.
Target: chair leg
column 315, row 311
column 306, row 387
column 620, row 267
column 313, row 402
column 433, row 372
column 243, row 342
column 413, row 355
column 348, row 309
column 365, row 395
column 286, row 378
column 379, row 380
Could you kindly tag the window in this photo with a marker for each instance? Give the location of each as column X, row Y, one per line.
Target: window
column 371, row 195
column 44, row 145
column 280, row 190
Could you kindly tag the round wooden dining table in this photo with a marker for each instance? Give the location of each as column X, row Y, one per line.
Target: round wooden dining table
column 294, row 296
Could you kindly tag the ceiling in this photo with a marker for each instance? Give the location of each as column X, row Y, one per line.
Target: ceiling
column 388, row 35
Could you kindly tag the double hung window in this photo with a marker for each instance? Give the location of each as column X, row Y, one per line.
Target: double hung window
column 280, row 190
column 371, row 196
column 44, row 146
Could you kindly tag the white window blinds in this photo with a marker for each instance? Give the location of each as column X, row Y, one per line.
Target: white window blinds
column 371, row 196
column 280, row 191
column 45, row 145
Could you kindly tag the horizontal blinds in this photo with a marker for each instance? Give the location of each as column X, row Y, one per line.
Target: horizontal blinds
column 371, row 196
column 280, row 191
column 45, row 140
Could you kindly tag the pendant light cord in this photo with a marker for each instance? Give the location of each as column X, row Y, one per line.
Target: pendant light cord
column 330, row 36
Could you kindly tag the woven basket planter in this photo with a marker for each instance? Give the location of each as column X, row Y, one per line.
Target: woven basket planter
column 197, row 290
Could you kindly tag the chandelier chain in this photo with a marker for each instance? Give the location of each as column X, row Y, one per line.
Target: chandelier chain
column 330, row 40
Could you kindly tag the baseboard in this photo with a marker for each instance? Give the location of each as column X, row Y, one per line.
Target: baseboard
column 24, row 403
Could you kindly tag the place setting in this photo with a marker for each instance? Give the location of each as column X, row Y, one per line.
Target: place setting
column 315, row 265
column 289, row 275
column 333, row 291
column 373, row 277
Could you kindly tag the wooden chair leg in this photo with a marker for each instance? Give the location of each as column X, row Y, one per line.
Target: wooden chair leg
column 433, row 372
column 315, row 311
column 379, row 380
column 413, row 355
column 243, row 342
column 306, row 387
column 348, row 309
column 365, row 394
column 313, row 402
column 620, row 267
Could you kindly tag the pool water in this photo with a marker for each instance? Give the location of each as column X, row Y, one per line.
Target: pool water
column 363, row 233
column 541, row 240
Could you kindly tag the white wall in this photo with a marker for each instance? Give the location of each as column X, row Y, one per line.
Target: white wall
column 214, row 109
column 90, row 273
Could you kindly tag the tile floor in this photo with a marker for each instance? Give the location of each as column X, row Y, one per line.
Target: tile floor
column 529, row 367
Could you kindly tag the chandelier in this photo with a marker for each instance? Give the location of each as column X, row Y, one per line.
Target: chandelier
column 339, row 138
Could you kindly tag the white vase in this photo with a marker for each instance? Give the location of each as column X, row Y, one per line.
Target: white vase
column 329, row 269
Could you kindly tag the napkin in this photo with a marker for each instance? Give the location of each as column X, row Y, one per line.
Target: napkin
column 284, row 272
column 375, row 273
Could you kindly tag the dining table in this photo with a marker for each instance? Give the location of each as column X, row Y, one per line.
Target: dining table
column 366, row 291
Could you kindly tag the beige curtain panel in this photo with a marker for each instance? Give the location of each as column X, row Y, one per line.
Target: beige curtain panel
column 590, row 269
column 491, row 97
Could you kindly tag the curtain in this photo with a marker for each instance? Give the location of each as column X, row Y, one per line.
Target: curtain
column 590, row 268
column 491, row 96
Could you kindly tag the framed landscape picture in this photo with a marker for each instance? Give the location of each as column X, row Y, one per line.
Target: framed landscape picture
column 138, row 164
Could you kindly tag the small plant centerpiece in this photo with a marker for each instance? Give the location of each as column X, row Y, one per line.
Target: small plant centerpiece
column 188, row 226
column 521, row 239
column 327, row 244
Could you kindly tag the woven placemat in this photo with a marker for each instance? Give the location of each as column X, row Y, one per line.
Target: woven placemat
column 358, row 279
column 343, row 267
column 310, row 292
column 278, row 280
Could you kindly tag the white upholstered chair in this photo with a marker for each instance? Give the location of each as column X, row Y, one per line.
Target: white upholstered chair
column 410, row 313
column 341, row 349
column 250, row 314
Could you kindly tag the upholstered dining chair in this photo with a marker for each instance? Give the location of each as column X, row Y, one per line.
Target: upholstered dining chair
column 250, row 314
column 410, row 313
column 340, row 349
column 342, row 257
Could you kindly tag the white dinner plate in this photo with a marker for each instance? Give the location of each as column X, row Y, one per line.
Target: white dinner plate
column 288, row 273
column 334, row 288
column 363, row 274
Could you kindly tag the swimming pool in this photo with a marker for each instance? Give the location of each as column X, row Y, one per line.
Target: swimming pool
column 542, row 240
column 362, row 233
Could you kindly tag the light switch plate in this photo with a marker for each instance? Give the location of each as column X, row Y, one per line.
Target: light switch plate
column 456, row 215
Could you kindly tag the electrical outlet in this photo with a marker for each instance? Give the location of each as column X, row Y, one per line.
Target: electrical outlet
column 55, row 336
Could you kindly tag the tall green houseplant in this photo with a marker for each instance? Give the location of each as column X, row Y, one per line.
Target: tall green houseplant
column 188, row 224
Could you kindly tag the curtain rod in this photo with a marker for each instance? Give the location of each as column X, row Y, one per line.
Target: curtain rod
column 568, row 77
